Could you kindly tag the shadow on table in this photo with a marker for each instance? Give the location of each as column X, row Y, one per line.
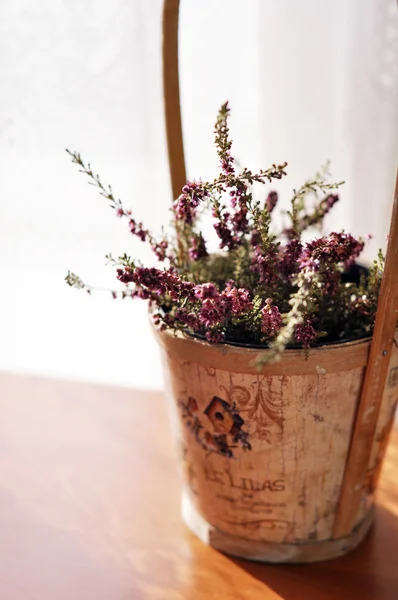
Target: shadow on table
column 368, row 573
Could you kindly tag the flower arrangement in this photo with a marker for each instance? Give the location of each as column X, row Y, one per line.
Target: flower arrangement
column 262, row 287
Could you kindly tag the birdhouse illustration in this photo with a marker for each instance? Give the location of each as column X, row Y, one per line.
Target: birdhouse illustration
column 222, row 418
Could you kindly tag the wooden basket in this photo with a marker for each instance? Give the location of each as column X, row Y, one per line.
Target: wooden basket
column 279, row 466
column 264, row 454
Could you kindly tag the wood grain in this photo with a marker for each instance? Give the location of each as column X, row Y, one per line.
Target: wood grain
column 171, row 93
column 373, row 386
column 90, row 503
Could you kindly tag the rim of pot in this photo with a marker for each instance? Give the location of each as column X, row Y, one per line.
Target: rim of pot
column 331, row 357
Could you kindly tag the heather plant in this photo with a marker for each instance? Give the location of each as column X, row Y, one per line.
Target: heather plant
column 261, row 288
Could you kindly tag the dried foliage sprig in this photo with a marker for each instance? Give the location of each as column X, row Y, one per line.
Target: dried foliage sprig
column 136, row 228
column 317, row 187
column 261, row 288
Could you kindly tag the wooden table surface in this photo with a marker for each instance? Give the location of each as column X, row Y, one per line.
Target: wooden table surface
column 89, row 510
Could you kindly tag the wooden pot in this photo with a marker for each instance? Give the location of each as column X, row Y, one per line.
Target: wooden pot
column 263, row 455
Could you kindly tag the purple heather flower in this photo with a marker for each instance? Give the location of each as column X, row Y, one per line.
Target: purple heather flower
column 227, row 165
column 271, row 201
column 305, row 334
column 198, row 248
column 331, row 281
column 290, row 255
column 160, row 249
column 330, row 201
column 125, row 275
column 215, row 336
column 239, row 299
column 332, row 249
column 157, row 281
column 206, row 290
column 264, row 266
column 239, row 201
column 218, row 307
column 193, row 193
column 271, row 319
column 187, row 318
column 239, row 221
column 227, row 239
column 143, row 294
column 214, row 311
column 137, row 229
column 238, row 195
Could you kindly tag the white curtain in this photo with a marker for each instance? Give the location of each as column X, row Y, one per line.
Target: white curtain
column 307, row 81
column 332, row 93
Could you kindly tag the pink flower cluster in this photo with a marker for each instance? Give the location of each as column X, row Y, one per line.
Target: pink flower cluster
column 138, row 230
column 331, row 249
column 193, row 193
column 239, row 201
column 224, row 231
column 231, row 227
column 271, row 201
column 157, row 281
column 194, row 291
column 271, row 319
column 217, row 307
column 264, row 265
column 305, row 334
column 290, row 255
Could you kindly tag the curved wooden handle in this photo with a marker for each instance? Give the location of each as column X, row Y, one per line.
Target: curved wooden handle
column 171, row 92
column 373, row 386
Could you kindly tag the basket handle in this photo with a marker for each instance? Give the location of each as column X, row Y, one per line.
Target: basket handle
column 373, row 386
column 171, row 93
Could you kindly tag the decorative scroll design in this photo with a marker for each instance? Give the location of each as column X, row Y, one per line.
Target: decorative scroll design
column 264, row 408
